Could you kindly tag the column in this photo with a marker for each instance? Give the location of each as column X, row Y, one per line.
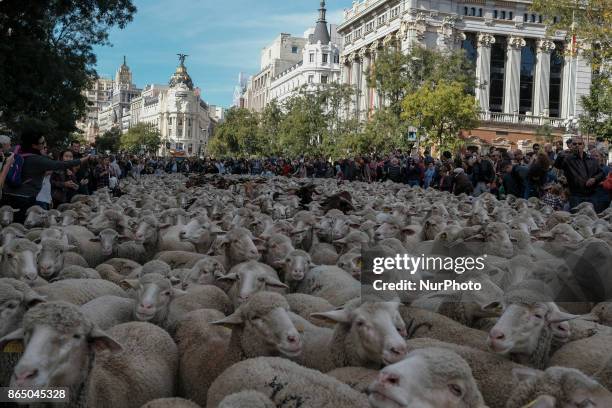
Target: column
column 483, row 70
column 512, row 80
column 363, row 86
column 568, row 86
column 356, row 71
column 542, row 77
column 374, row 91
column 346, row 72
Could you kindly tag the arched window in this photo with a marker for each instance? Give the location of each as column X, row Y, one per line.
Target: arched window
column 494, row 13
column 528, row 63
column 465, row 11
column 479, row 12
column 533, row 18
column 473, row 11
column 503, row 15
column 510, row 16
column 540, row 19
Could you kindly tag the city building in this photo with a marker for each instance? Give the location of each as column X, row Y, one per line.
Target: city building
column 122, row 93
column 319, row 63
column 239, row 91
column 182, row 117
column 98, row 97
column 524, row 77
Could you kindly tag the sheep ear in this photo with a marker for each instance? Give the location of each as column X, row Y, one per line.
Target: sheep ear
column 543, row 401
column 558, row 316
column 102, row 341
column 275, row 283
column 129, row 284
column 230, row 321
column 524, row 374
column 333, row 316
column 16, row 336
column 231, row 277
column 32, row 298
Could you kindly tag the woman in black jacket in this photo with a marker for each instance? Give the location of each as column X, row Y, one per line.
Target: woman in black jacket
column 35, row 165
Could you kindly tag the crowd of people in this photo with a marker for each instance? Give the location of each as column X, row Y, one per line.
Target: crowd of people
column 562, row 177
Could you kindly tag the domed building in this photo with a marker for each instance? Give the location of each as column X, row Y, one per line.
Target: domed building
column 177, row 110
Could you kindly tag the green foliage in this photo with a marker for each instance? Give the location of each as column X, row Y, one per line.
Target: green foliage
column 441, row 110
column 592, row 23
column 545, row 133
column 237, row 135
column 142, row 134
column 597, row 117
column 47, row 59
column 397, row 75
column 110, row 140
column 383, row 133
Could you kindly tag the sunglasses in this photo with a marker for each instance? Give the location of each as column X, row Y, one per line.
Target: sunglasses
column 577, row 144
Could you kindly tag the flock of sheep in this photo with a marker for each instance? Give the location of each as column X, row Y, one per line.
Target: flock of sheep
column 245, row 292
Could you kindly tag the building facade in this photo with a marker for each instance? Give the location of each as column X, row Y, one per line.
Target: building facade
column 524, row 77
column 182, row 117
column 122, row 93
column 98, row 97
column 319, row 64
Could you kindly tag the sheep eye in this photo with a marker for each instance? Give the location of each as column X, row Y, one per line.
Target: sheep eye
column 76, row 337
column 261, row 279
column 539, row 316
column 11, row 305
column 360, row 323
column 455, row 390
column 167, row 293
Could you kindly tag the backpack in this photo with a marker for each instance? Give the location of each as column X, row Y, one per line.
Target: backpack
column 13, row 177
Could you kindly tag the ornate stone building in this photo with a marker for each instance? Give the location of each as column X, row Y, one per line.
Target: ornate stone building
column 176, row 109
column 524, row 77
column 98, row 97
column 122, row 93
column 320, row 63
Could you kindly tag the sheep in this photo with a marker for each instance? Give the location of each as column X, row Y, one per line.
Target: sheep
column 236, row 246
column 250, row 277
column 277, row 247
column 283, row 381
column 6, row 215
column 36, row 217
column 159, row 303
column 331, row 283
column 424, row 323
column 430, row 377
column 123, row 267
column 493, row 373
column 115, row 245
column 526, row 328
column 358, row 378
column 370, row 335
column 8, row 234
column 170, row 403
column 81, row 238
column 305, row 305
column 294, row 266
column 247, row 399
column 603, row 311
column 54, row 256
column 16, row 298
column 588, row 355
column 109, row 273
column 179, row 259
column 154, row 266
column 351, row 262
column 79, row 291
column 206, row 271
column 557, row 387
column 202, row 348
column 143, row 357
column 109, row 311
column 19, row 260
column 76, row 272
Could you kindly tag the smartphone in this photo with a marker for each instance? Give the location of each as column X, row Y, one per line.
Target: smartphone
column 92, row 151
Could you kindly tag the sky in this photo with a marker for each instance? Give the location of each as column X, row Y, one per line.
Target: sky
column 221, row 37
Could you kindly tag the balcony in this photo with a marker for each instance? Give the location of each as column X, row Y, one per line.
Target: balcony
column 520, row 120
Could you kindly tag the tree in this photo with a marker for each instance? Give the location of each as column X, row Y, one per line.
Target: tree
column 269, row 128
column 237, row 135
column 441, row 110
column 142, row 135
column 545, row 133
column 47, row 59
column 597, row 117
column 589, row 20
column 396, row 75
column 110, row 140
column 383, row 133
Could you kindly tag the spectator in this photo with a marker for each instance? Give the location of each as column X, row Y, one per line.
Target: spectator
column 601, row 197
column 64, row 183
column 552, row 196
column 35, row 166
column 6, row 159
column 462, row 183
column 548, row 149
column 583, row 173
column 483, row 175
column 446, row 180
column 429, row 175
column 537, row 175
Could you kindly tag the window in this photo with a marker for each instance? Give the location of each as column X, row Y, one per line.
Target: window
column 311, row 57
column 294, row 50
column 472, row 11
column 525, row 17
column 325, row 58
column 494, row 13
column 510, row 15
column 533, row 18
column 336, row 59
column 479, row 12
column 323, row 79
column 540, row 19
column 465, row 11
column 503, row 15
column 310, row 79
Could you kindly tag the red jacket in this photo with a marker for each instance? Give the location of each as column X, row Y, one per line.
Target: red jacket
column 607, row 184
